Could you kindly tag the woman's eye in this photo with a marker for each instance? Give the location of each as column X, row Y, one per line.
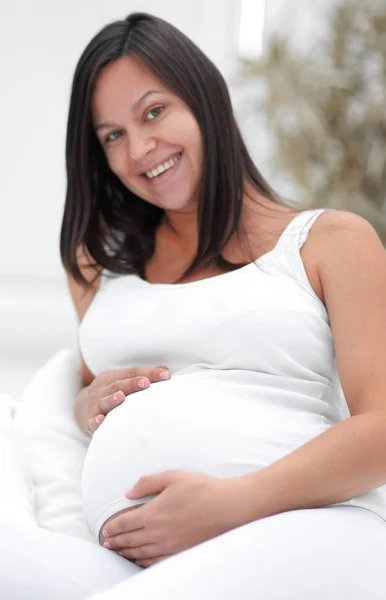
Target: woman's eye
column 113, row 136
column 154, row 112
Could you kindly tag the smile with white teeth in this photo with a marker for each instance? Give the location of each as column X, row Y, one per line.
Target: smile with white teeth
column 163, row 167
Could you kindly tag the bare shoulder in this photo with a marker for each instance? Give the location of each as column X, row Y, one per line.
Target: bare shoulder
column 351, row 265
column 340, row 241
column 344, row 232
column 333, row 221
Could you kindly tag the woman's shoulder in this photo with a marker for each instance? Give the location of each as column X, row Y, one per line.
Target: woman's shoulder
column 324, row 228
column 339, row 228
column 335, row 241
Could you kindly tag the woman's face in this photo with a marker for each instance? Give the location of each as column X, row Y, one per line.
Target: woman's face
column 144, row 129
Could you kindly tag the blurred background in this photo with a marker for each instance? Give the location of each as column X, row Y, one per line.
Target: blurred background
column 308, row 84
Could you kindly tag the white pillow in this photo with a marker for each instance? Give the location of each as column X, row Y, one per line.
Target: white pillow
column 54, row 446
column 17, row 489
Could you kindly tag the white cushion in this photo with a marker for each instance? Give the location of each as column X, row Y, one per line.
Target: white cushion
column 54, row 446
column 17, row 489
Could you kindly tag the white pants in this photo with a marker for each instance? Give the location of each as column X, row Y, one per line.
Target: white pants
column 333, row 553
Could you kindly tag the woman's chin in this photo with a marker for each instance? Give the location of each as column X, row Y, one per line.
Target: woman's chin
column 175, row 205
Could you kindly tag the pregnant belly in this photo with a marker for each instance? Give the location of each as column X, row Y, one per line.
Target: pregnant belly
column 182, row 424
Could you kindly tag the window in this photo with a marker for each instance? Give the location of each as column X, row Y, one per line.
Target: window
column 251, row 32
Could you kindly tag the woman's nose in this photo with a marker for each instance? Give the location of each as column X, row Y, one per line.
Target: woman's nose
column 139, row 145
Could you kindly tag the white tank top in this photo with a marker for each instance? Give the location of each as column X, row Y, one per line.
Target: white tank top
column 253, row 369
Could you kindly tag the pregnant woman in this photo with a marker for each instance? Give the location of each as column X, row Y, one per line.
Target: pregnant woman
column 251, row 460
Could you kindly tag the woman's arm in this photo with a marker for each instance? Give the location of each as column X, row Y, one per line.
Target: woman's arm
column 103, row 393
column 82, row 298
column 350, row 457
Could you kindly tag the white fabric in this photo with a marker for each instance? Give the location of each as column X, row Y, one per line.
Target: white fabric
column 53, row 445
column 253, row 368
column 16, row 486
column 335, row 553
column 36, row 564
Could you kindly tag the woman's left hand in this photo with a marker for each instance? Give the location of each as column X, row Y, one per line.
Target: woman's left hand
column 189, row 508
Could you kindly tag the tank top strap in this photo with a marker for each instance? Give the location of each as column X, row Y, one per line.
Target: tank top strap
column 296, row 232
column 290, row 243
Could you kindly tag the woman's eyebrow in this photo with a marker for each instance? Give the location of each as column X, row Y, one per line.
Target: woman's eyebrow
column 134, row 108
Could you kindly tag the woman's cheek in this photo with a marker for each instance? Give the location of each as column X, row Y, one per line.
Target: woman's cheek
column 115, row 162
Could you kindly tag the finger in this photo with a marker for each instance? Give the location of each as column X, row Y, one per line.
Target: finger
column 108, row 393
column 116, row 392
column 141, row 553
column 107, row 403
column 125, row 522
column 158, row 374
column 127, row 540
column 127, row 386
column 94, row 422
column 152, row 373
column 148, row 562
column 148, row 485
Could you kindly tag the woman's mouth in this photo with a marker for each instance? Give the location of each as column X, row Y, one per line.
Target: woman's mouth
column 163, row 171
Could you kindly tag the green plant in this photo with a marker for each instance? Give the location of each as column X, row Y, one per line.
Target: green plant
column 327, row 112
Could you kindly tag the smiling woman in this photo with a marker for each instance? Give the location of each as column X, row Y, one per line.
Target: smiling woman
column 141, row 129
column 179, row 108
column 256, row 455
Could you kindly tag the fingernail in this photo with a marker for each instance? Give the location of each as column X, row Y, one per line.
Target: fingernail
column 98, row 420
column 105, row 533
column 164, row 375
column 107, row 545
column 143, row 383
column 115, row 397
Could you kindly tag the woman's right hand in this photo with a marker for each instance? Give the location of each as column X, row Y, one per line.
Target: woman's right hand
column 109, row 389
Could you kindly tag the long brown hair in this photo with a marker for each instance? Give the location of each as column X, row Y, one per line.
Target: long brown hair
column 98, row 203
